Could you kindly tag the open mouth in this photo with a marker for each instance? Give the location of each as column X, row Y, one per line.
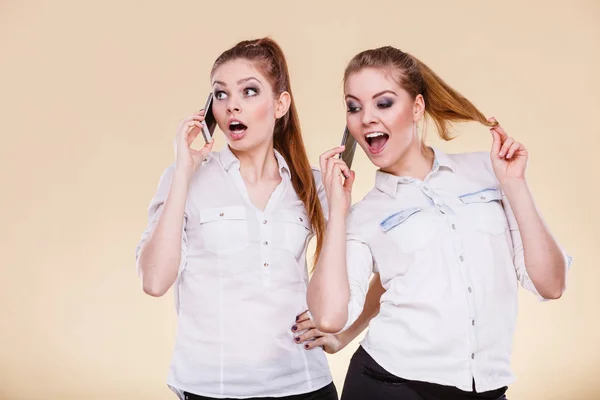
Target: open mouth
column 376, row 141
column 237, row 128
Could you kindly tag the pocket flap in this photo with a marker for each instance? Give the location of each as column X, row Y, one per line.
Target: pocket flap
column 222, row 213
column 482, row 196
column 297, row 218
column 398, row 218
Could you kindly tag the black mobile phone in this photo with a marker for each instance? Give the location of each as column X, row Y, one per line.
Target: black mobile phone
column 209, row 124
column 348, row 154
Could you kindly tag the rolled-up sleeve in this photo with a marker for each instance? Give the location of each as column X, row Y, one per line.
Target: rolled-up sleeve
column 359, row 263
column 155, row 211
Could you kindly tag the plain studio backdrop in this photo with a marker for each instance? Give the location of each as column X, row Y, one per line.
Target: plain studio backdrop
column 91, row 94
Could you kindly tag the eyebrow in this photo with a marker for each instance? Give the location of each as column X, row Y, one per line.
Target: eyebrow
column 244, row 80
column 374, row 96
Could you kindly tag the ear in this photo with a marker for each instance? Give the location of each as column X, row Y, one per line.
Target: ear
column 418, row 107
column 282, row 104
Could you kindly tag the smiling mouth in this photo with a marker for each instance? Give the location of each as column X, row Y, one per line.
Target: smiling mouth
column 376, row 141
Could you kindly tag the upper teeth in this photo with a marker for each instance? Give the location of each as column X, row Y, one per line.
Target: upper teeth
column 374, row 134
column 236, row 123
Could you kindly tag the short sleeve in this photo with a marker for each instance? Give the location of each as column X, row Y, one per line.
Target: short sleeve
column 359, row 264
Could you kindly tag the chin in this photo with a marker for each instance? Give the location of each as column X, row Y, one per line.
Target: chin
column 244, row 144
column 381, row 161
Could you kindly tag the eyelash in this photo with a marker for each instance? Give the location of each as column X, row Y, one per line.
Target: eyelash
column 381, row 105
column 255, row 90
column 217, row 94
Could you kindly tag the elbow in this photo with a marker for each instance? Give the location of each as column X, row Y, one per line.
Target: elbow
column 152, row 284
column 554, row 296
column 154, row 289
column 554, row 292
column 330, row 325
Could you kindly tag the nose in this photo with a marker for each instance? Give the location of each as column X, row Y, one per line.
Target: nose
column 233, row 105
column 369, row 116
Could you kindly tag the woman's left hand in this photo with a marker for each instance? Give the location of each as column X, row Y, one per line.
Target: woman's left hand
column 509, row 157
column 309, row 337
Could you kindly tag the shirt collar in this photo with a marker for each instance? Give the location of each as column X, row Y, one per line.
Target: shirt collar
column 228, row 159
column 388, row 183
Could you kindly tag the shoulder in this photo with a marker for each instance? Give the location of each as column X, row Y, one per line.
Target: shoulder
column 363, row 214
column 476, row 165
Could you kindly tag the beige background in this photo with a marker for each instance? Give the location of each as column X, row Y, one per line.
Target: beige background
column 90, row 98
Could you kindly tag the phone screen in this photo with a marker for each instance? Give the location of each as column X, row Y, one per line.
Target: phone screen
column 350, row 143
column 210, row 123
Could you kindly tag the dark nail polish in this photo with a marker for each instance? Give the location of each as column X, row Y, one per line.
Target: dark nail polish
column 306, row 346
column 297, row 339
column 297, row 317
column 294, row 328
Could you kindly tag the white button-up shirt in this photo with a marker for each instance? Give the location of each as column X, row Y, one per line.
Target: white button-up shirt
column 450, row 257
column 241, row 283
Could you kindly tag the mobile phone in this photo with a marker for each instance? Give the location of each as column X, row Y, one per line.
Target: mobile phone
column 348, row 154
column 209, row 124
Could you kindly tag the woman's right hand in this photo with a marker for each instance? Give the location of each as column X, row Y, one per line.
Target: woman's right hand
column 187, row 159
column 337, row 180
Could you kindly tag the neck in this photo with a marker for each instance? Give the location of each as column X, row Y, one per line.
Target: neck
column 258, row 163
column 416, row 162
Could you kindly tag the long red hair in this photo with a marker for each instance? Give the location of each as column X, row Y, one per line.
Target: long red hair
column 270, row 61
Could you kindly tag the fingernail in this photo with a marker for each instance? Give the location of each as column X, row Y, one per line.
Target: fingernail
column 297, row 317
column 294, row 328
column 306, row 346
column 297, row 339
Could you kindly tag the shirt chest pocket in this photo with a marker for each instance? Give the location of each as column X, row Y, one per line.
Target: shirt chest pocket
column 484, row 212
column 225, row 230
column 410, row 229
column 296, row 231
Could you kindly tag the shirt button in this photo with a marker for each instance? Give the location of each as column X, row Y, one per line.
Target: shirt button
column 470, row 290
column 266, row 243
column 265, row 222
column 461, row 258
column 266, row 265
column 472, row 356
column 473, row 322
column 453, row 226
column 301, row 220
column 220, row 215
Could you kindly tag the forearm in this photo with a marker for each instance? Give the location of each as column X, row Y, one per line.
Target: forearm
column 544, row 260
column 160, row 255
column 328, row 291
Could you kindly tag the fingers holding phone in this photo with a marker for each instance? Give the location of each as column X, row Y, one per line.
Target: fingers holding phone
column 337, row 180
column 188, row 158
